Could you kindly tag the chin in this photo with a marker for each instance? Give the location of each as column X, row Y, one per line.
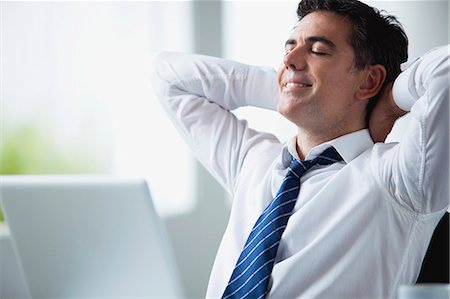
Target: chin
column 290, row 112
column 290, row 105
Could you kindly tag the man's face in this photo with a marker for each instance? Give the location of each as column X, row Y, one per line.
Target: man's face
column 317, row 80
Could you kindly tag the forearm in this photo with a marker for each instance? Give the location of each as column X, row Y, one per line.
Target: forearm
column 227, row 83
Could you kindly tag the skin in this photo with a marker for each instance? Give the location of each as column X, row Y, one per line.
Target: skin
column 320, row 89
column 384, row 115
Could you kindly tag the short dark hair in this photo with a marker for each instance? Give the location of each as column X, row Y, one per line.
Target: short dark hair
column 377, row 38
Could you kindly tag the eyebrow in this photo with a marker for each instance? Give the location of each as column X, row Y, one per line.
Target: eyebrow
column 314, row 39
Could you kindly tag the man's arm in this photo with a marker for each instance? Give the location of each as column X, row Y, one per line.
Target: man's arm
column 417, row 170
column 198, row 93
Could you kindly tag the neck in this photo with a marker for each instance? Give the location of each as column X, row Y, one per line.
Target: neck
column 306, row 139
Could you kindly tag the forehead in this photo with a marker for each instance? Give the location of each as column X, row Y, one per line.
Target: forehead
column 326, row 24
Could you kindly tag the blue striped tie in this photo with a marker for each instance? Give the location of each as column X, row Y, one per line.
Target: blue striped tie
column 251, row 274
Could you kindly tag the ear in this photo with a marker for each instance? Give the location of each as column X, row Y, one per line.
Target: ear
column 372, row 82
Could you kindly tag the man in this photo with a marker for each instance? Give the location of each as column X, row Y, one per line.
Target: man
column 356, row 216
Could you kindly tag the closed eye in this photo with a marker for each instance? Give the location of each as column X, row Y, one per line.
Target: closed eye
column 289, row 45
column 318, row 53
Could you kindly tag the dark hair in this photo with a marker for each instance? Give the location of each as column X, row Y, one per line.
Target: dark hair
column 377, row 38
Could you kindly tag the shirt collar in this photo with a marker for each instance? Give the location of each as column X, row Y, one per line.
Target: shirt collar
column 349, row 146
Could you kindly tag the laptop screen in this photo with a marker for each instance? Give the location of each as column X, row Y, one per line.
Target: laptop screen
column 88, row 236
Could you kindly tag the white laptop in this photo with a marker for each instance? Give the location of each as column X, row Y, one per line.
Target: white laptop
column 88, row 237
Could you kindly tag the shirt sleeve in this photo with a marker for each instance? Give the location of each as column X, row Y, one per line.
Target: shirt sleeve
column 198, row 92
column 416, row 171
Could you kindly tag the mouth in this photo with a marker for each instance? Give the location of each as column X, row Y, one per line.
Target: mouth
column 295, row 86
column 291, row 84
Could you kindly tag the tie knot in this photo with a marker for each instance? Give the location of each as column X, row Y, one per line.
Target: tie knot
column 327, row 157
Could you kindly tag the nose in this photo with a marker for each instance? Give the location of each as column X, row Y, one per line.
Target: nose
column 295, row 60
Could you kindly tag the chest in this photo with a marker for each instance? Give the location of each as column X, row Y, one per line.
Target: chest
column 328, row 195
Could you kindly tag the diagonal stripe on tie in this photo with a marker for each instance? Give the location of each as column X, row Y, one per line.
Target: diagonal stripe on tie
column 251, row 274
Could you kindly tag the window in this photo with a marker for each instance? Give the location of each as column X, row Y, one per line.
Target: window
column 77, row 95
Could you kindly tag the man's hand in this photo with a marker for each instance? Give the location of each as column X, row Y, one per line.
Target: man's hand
column 384, row 115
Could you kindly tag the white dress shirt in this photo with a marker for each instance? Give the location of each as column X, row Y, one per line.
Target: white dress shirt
column 361, row 227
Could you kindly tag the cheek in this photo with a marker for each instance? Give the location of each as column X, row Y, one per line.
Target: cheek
column 337, row 84
column 280, row 72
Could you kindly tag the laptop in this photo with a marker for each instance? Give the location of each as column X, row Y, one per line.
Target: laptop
column 88, row 237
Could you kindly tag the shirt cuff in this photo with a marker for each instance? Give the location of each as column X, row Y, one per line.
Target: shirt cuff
column 401, row 91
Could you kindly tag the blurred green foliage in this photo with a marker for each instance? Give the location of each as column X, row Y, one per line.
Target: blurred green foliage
column 27, row 150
